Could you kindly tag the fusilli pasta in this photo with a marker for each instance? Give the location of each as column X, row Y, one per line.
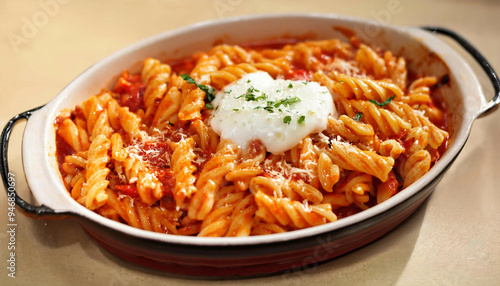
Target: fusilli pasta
column 144, row 153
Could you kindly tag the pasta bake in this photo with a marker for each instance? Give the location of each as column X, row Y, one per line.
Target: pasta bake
column 252, row 139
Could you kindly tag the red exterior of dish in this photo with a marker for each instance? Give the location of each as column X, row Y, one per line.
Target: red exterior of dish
column 251, row 260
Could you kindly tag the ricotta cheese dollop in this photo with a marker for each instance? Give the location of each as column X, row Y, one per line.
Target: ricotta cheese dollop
column 279, row 113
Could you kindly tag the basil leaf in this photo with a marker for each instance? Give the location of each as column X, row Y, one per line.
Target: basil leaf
column 358, row 116
column 209, row 91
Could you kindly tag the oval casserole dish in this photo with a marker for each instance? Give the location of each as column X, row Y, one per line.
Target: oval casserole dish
column 425, row 54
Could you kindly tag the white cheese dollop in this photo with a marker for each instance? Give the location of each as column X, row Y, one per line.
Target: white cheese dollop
column 279, row 113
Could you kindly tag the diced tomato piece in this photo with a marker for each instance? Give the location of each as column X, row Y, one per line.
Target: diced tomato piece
column 129, row 190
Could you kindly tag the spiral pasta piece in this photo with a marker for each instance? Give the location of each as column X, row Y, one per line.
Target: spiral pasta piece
column 163, row 219
column 242, row 217
column 436, row 134
column 260, row 227
column 308, row 160
column 310, row 54
column 275, row 68
column 183, row 169
column 205, row 137
column 230, row 55
column 136, row 172
column 94, row 190
column 419, row 138
column 156, row 76
column 97, row 118
column 391, row 148
column 416, row 166
column 371, row 61
column 328, row 173
column 230, row 74
column 210, row 179
column 362, row 88
column 396, row 70
column 387, row 189
column 169, row 106
column 121, row 117
column 386, row 122
column 346, row 127
column 74, row 135
column 288, row 212
column 419, row 92
column 74, row 167
column 218, row 221
column 294, row 190
column 352, row 158
column 357, row 188
column 248, row 168
column 192, row 96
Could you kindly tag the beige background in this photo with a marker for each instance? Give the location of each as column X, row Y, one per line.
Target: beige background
column 452, row 240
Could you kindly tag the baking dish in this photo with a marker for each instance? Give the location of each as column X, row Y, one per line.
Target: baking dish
column 265, row 254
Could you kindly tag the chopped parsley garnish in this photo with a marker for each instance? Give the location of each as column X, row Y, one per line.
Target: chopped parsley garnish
column 209, row 106
column 269, row 107
column 301, row 119
column 290, row 85
column 209, row 91
column 383, row 103
column 250, row 95
column 287, row 119
column 287, row 101
column 358, row 116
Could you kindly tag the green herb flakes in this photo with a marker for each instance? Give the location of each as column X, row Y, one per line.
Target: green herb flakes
column 358, row 116
column 287, row 119
column 301, row 119
column 380, row 104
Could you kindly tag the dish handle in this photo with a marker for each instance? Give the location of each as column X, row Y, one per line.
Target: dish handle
column 481, row 60
column 27, row 208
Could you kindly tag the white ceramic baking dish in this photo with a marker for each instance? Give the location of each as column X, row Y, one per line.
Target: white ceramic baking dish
column 426, row 54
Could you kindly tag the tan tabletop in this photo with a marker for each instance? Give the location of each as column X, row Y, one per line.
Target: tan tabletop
column 453, row 239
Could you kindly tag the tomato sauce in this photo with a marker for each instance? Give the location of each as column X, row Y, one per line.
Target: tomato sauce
column 131, row 90
column 129, row 190
column 182, row 66
column 166, row 177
